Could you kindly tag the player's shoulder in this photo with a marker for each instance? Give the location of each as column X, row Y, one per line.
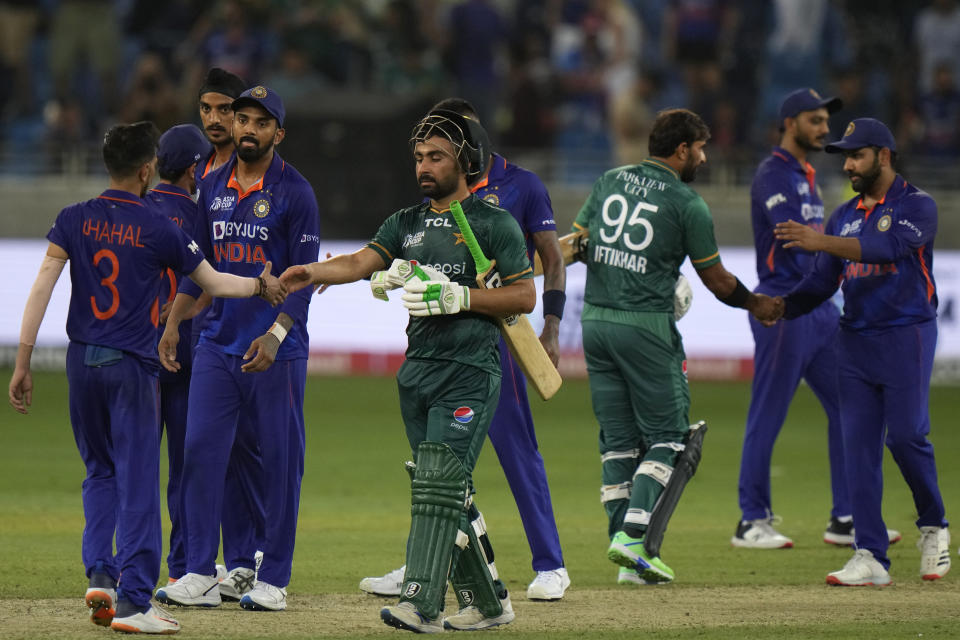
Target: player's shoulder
column 915, row 197
column 521, row 174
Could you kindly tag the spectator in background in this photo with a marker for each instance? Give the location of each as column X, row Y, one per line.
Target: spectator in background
column 18, row 24
column 697, row 36
column 936, row 34
column 934, row 126
column 475, row 51
column 631, row 119
column 234, row 42
column 151, row 94
column 295, row 77
column 161, row 26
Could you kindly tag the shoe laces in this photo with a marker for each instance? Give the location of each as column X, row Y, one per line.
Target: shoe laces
column 766, row 525
column 929, row 542
column 548, row 578
column 397, row 574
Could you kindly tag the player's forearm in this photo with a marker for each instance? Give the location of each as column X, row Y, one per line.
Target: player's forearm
column 224, row 285
column 519, row 297
column 342, row 269
column 846, row 248
column 39, row 298
column 182, row 305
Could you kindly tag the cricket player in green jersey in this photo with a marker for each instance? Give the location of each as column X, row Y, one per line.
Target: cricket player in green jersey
column 643, row 221
column 450, row 382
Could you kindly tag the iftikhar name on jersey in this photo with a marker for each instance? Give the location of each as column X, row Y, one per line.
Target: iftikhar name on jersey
column 639, row 185
column 619, row 258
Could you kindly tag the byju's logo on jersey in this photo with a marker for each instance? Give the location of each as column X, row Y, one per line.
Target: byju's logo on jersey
column 225, row 202
column 463, row 415
column 226, row 229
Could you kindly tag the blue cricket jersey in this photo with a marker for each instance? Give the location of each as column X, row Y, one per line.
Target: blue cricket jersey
column 892, row 285
column 177, row 205
column 782, row 190
column 119, row 248
column 276, row 219
column 522, row 194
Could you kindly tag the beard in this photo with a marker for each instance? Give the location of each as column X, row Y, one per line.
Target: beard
column 807, row 143
column 438, row 189
column 689, row 170
column 254, row 153
column 863, row 182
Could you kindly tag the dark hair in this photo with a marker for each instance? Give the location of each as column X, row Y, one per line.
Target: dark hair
column 171, row 176
column 127, row 147
column 221, row 81
column 457, row 105
column 672, row 128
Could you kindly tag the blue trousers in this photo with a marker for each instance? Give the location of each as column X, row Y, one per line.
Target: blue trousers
column 272, row 405
column 115, row 415
column 174, row 392
column 515, row 442
column 785, row 353
column 884, row 397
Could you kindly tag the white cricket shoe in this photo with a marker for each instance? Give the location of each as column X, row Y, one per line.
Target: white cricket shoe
column 192, row 590
column 387, row 585
column 471, row 619
column 264, row 597
column 934, row 545
column 238, row 582
column 155, row 620
column 759, row 534
column 626, row 575
column 549, row 585
column 221, row 572
column 843, row 534
column 860, row 571
column 100, row 601
column 406, row 616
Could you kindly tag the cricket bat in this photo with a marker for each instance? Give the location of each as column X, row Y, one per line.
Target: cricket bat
column 572, row 247
column 516, row 330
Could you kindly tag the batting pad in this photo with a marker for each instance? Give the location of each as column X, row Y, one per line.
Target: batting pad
column 474, row 576
column 439, row 496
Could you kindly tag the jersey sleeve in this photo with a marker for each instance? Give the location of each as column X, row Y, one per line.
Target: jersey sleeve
column 176, row 249
column 538, row 210
column 916, row 226
column 303, row 240
column 820, row 283
column 201, row 235
column 589, row 208
column 386, row 242
column 61, row 232
column 774, row 195
column 508, row 248
column 698, row 238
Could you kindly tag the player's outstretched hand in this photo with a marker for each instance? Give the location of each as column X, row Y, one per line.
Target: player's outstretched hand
column 263, row 350
column 296, row 277
column 21, row 389
column 798, row 235
column 274, row 291
column 430, row 298
column 167, row 349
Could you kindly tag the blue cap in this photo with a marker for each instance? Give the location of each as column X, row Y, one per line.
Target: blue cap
column 807, row 100
column 863, row 132
column 264, row 97
column 181, row 146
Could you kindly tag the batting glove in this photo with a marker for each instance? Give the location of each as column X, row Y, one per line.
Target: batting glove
column 398, row 274
column 682, row 298
column 430, row 298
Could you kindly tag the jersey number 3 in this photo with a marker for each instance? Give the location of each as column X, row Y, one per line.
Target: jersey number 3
column 618, row 203
column 108, row 283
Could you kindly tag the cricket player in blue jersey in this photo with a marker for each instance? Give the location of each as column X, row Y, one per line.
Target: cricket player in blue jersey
column 118, row 246
column 520, row 192
column 785, row 188
column 879, row 245
column 215, row 99
column 249, row 360
column 179, row 151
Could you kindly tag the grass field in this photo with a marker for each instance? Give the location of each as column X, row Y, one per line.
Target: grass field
column 354, row 518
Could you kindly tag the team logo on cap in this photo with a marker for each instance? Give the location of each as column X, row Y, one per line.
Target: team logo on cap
column 261, row 208
column 259, row 92
column 463, row 415
column 492, row 199
column 883, row 223
column 849, row 131
column 815, row 94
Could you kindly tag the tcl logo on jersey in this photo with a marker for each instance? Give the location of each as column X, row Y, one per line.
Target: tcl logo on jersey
column 224, row 229
column 225, row 202
column 437, row 222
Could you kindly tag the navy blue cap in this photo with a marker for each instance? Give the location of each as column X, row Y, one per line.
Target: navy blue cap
column 181, row 146
column 264, row 97
column 807, row 100
column 863, row 132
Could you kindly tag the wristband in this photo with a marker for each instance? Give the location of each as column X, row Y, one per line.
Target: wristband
column 261, row 286
column 738, row 298
column 553, row 301
column 278, row 331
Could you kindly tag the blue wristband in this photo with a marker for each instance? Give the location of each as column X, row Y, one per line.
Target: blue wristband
column 553, row 301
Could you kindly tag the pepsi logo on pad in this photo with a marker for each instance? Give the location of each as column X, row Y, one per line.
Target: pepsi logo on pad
column 463, row 415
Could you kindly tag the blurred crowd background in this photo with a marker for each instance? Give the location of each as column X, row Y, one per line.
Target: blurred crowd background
column 570, row 87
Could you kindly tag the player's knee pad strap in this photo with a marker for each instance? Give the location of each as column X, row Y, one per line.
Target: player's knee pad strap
column 619, row 455
column 474, row 576
column 438, row 498
column 611, row 492
column 657, row 470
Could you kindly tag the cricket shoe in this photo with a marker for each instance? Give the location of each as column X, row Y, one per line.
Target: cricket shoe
column 388, row 585
column 405, row 616
column 862, row 570
column 264, row 597
column 155, row 620
column 549, row 585
column 100, row 602
column 472, row 619
column 221, row 572
column 192, row 590
column 934, row 545
column 626, row 575
column 238, row 582
column 759, row 534
column 842, row 533
column 629, row 552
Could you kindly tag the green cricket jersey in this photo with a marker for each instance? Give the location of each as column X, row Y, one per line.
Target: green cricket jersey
column 643, row 222
column 433, row 239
